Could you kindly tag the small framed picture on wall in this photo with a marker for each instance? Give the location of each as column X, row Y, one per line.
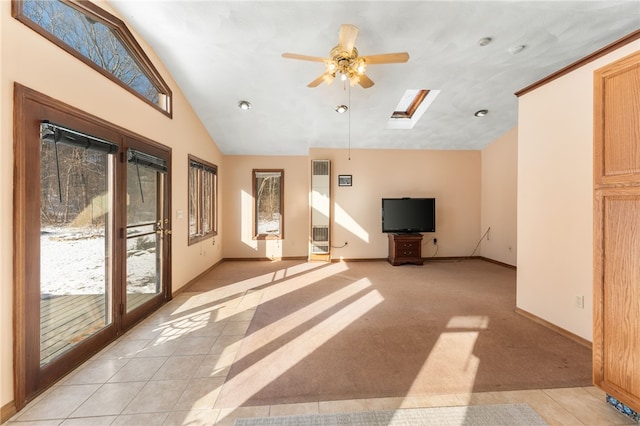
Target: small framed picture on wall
column 344, row 180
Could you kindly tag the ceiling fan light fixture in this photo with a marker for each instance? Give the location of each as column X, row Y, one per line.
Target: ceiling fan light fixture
column 343, row 59
column 328, row 77
column 244, row 105
column 341, row 109
column 481, row 112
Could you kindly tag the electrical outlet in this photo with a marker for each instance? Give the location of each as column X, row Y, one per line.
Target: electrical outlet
column 579, row 302
column 435, row 241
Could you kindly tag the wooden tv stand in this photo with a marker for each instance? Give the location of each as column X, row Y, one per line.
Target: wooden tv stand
column 405, row 248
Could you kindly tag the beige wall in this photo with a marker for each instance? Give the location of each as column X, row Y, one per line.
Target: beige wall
column 31, row 60
column 499, row 198
column 452, row 177
column 555, row 202
column 238, row 208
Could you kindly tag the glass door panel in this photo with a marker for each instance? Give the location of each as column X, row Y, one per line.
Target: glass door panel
column 75, row 244
column 146, row 225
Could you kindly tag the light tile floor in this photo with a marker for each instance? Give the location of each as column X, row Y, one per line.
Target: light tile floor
column 170, row 368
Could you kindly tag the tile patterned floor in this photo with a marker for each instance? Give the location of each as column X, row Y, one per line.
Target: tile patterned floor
column 170, row 368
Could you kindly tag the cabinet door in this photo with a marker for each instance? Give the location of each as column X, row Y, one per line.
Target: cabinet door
column 616, row 335
column 617, row 295
column 617, row 122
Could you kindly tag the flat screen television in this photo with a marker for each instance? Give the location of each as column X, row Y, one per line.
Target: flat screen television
column 408, row 215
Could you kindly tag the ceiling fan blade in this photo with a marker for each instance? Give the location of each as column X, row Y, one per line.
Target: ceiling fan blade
column 317, row 81
column 303, row 57
column 365, row 81
column 387, row 58
column 348, row 34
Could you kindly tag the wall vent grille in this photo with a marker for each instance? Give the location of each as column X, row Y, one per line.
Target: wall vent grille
column 320, row 233
column 320, row 249
column 320, row 168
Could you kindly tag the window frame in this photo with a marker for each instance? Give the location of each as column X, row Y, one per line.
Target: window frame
column 200, row 206
column 93, row 12
column 256, row 235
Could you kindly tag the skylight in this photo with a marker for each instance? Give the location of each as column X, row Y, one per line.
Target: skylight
column 409, row 103
column 412, row 104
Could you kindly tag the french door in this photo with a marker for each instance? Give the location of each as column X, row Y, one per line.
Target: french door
column 92, row 237
column 147, row 235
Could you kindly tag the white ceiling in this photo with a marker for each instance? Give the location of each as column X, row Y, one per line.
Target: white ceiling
column 221, row 52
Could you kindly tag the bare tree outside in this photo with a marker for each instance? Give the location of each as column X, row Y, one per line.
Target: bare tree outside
column 75, row 207
column 92, row 39
column 268, row 202
column 73, row 182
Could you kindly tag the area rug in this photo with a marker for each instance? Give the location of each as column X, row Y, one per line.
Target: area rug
column 358, row 330
column 477, row 415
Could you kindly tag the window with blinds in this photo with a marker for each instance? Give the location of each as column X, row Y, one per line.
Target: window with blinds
column 203, row 199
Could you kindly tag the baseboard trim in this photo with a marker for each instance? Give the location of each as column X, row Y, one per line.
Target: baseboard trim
column 551, row 326
column 424, row 259
column 368, row 259
column 497, row 262
column 428, row 259
column 450, row 258
column 264, row 259
column 372, row 259
column 7, row 411
column 200, row 275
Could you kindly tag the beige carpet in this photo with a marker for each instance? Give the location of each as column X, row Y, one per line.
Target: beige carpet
column 368, row 329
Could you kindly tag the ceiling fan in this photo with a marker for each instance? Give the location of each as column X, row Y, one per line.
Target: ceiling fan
column 343, row 59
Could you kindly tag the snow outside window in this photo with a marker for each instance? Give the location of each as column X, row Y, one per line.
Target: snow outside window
column 268, row 196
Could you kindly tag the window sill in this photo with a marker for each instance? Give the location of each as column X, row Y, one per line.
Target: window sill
column 268, row 237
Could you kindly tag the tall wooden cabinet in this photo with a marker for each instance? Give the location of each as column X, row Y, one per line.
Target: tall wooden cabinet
column 616, row 334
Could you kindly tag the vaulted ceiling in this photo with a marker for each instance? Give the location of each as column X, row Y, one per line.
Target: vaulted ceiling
column 222, row 52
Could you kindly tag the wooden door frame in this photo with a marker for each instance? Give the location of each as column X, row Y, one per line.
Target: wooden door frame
column 30, row 108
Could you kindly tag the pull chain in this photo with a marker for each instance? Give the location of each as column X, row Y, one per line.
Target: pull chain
column 349, row 141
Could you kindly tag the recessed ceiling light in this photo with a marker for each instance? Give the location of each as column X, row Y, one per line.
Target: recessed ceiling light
column 244, row 105
column 481, row 112
column 341, row 109
column 516, row 49
column 484, row 41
